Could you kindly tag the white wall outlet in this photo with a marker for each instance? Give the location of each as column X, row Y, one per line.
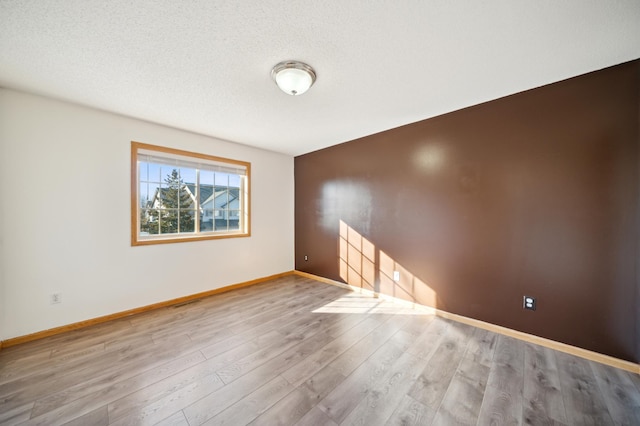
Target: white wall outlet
column 396, row 276
column 529, row 302
column 55, row 298
column 306, row 257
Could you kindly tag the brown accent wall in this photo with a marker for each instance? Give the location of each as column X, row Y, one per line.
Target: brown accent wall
column 637, row 305
column 536, row 194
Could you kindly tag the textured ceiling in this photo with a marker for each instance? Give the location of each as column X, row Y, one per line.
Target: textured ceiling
column 205, row 65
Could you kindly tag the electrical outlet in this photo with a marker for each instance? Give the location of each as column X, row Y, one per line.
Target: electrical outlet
column 529, row 302
column 306, row 257
column 396, row 276
column 55, row 298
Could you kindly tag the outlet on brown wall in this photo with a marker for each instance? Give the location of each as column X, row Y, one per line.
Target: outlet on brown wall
column 535, row 193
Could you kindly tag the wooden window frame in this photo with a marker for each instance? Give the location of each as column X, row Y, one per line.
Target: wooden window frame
column 170, row 153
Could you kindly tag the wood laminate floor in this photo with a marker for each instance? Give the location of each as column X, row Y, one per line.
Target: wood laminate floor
column 294, row 351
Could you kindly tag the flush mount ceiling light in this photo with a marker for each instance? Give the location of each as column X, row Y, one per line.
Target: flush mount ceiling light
column 293, row 77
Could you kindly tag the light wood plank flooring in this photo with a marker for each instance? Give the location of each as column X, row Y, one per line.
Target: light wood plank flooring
column 294, row 351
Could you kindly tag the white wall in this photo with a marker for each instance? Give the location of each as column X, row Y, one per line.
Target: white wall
column 3, row 185
column 65, row 217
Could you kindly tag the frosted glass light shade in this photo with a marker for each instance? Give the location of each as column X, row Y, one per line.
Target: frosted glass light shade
column 293, row 78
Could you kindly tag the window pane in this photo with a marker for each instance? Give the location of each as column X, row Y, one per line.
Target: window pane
column 185, row 197
column 149, row 221
column 153, row 194
column 188, row 175
column 168, row 196
column 169, row 221
column 221, row 224
column 144, row 170
column 144, row 195
column 206, row 221
column 206, row 201
column 169, row 173
column 234, row 193
column 234, row 181
column 206, row 177
column 187, row 221
column 222, row 179
column 234, row 220
column 144, row 222
column 234, row 204
column 154, row 173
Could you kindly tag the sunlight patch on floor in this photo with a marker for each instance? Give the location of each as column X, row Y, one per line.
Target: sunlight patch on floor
column 369, row 304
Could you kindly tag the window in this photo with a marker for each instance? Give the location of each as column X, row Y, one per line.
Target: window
column 184, row 196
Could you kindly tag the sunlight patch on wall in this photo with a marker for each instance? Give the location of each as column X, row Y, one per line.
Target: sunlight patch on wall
column 362, row 265
column 408, row 287
column 357, row 258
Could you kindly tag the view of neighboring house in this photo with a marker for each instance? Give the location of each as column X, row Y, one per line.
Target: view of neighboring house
column 218, row 208
column 222, row 206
